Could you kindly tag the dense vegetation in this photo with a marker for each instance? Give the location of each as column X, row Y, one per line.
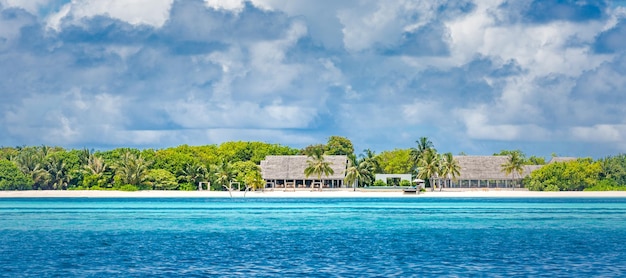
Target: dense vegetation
column 178, row 168
column 581, row 174
column 236, row 163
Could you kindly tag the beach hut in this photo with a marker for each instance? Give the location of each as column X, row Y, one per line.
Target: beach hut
column 486, row 172
column 287, row 171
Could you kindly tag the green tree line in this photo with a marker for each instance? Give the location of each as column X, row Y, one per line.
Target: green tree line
column 184, row 167
column 177, row 168
column 606, row 174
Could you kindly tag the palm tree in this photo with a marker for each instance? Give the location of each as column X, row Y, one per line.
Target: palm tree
column 224, row 175
column 254, row 180
column 429, row 167
column 423, row 145
column 369, row 157
column 95, row 165
column 367, row 170
column 44, row 150
column 58, row 173
column 353, row 174
column 514, row 165
column 31, row 163
column 450, row 167
column 317, row 165
column 132, row 169
column 194, row 174
column 94, row 171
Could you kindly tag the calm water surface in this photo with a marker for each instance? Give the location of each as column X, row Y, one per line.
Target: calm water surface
column 421, row 237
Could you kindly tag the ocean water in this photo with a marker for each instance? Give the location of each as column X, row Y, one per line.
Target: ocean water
column 412, row 237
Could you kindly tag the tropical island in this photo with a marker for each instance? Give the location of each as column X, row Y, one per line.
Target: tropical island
column 238, row 166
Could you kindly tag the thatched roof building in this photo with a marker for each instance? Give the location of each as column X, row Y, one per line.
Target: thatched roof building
column 486, row 172
column 288, row 170
column 561, row 159
column 487, row 168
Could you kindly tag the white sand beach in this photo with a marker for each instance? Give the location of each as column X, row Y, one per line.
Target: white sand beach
column 480, row 193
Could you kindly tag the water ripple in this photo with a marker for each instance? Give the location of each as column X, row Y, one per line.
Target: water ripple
column 312, row 238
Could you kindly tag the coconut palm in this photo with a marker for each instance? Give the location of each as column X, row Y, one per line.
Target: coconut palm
column 450, row 167
column 94, row 171
column 84, row 155
column 57, row 169
column 318, row 166
column 429, row 167
column 132, row 169
column 423, row 145
column 224, row 175
column 369, row 157
column 95, row 165
column 194, row 173
column 353, row 173
column 514, row 166
column 254, row 180
column 367, row 170
column 31, row 163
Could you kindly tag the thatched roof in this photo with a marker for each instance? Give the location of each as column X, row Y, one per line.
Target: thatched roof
column 487, row 168
column 561, row 159
column 291, row 167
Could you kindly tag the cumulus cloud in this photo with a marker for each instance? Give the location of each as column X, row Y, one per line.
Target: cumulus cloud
column 149, row 12
column 472, row 75
column 71, row 117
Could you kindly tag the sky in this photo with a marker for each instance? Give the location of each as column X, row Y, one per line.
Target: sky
column 544, row 76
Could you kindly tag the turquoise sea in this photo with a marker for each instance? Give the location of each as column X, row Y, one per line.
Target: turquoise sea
column 412, row 237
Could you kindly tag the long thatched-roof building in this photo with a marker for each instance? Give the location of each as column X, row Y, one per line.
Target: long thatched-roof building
column 287, row 171
column 486, row 172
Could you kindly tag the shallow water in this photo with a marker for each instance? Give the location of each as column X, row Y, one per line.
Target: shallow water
column 419, row 237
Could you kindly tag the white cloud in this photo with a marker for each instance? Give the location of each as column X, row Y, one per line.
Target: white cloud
column 32, row 6
column 54, row 19
column 422, row 112
column 478, row 126
column 379, row 24
column 229, row 5
column 263, row 135
column 70, row 117
column 368, row 24
column 540, row 48
column 272, row 73
column 10, row 28
column 149, row 12
column 284, row 70
column 226, row 114
column 321, row 17
column 600, row 133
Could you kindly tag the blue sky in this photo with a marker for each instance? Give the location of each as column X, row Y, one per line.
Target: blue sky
column 543, row 76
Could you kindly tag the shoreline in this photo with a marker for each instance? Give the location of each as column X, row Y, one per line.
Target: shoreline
column 309, row 194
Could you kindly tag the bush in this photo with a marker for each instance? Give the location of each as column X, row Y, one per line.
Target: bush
column 161, row 179
column 11, row 178
column 380, row 183
column 405, row 183
column 188, row 187
column 551, row 187
column 606, row 185
column 128, row 187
